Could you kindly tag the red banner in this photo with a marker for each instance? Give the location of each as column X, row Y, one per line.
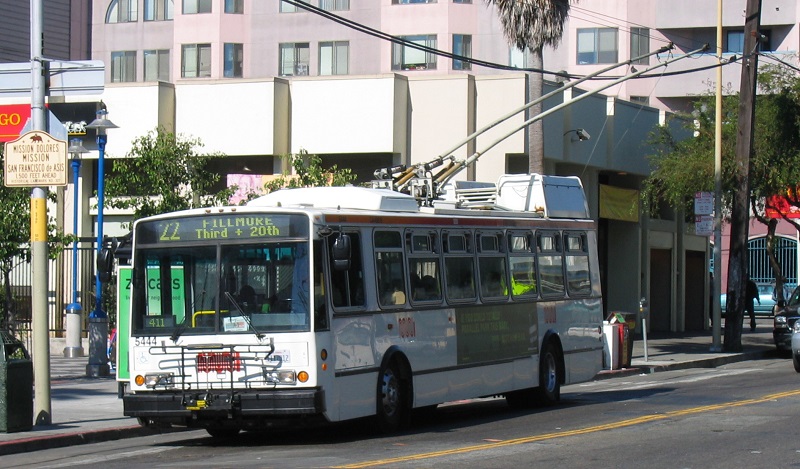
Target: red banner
column 12, row 119
column 781, row 207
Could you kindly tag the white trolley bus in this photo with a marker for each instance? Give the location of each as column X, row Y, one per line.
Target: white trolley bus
column 335, row 303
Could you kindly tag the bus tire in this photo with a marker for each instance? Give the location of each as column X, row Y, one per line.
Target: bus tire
column 393, row 412
column 549, row 390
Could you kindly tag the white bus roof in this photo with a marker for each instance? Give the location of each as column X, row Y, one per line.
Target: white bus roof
column 349, row 197
column 523, row 194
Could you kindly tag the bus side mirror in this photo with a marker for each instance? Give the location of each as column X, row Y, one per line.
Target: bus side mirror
column 341, row 253
column 105, row 262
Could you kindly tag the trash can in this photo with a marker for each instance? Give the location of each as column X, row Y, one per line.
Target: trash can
column 629, row 320
column 16, row 385
column 626, row 346
column 612, row 352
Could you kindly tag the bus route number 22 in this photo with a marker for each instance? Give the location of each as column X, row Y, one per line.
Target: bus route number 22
column 407, row 328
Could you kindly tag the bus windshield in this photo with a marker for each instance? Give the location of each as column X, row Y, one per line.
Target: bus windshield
column 221, row 289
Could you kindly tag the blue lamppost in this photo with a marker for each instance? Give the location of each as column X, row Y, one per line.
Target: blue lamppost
column 98, row 319
column 74, row 320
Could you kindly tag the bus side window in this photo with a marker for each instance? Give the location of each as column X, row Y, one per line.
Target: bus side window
column 459, row 266
column 423, row 265
column 577, row 263
column 389, row 267
column 550, row 261
column 347, row 286
column 522, row 265
column 492, row 265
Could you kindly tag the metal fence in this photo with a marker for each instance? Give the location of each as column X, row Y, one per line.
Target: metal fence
column 59, row 290
column 760, row 269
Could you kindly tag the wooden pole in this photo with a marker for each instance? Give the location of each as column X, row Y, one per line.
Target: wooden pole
column 740, row 215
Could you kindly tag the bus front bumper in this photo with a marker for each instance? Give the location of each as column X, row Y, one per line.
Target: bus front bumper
column 214, row 405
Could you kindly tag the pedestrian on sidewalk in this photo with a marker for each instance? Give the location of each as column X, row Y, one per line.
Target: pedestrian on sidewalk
column 751, row 293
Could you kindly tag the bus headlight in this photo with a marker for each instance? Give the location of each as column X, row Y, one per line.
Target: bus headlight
column 280, row 377
column 166, row 380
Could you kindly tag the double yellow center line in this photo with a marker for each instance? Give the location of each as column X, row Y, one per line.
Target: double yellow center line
column 579, row 431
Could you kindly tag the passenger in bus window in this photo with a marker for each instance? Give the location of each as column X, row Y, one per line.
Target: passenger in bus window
column 431, row 287
column 398, row 296
column 247, row 299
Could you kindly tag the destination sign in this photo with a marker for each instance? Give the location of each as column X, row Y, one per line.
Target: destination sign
column 222, row 227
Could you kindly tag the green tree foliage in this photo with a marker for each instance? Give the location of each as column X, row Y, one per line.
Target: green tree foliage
column 682, row 167
column 163, row 172
column 307, row 171
column 15, row 235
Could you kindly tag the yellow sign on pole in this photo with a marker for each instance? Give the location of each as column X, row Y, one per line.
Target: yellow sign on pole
column 35, row 159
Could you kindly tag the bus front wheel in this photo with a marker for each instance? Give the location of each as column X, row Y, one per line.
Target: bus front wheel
column 393, row 411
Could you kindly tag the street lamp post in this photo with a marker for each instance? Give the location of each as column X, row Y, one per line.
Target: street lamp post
column 98, row 319
column 74, row 321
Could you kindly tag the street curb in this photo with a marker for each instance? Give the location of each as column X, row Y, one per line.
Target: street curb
column 38, row 443
column 712, row 362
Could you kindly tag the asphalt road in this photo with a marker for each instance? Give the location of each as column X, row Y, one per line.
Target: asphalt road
column 739, row 415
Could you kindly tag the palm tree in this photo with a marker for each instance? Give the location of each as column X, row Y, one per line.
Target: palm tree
column 530, row 25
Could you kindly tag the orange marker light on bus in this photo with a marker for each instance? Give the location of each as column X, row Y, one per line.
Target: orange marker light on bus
column 302, row 376
column 324, row 366
column 139, row 380
column 323, row 354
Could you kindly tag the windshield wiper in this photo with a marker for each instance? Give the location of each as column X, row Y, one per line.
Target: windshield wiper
column 178, row 330
column 244, row 315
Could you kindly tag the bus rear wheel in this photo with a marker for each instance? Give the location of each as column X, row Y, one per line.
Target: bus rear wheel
column 393, row 411
column 549, row 390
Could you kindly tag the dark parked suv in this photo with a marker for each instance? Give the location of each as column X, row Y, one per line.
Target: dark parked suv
column 785, row 318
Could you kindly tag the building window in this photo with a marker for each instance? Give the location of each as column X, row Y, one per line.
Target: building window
column 735, row 41
column 640, row 45
column 122, row 11
column 234, row 60
column 123, row 66
column 334, row 58
column 408, row 2
column 158, row 10
column 462, row 1
column 190, row 7
column 294, row 59
column 462, row 45
column 289, row 8
column 156, row 65
column 195, row 60
column 409, row 58
column 643, row 100
column 597, row 46
column 334, row 5
column 234, row 6
column 518, row 58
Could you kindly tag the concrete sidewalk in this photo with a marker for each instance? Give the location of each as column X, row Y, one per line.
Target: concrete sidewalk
column 88, row 410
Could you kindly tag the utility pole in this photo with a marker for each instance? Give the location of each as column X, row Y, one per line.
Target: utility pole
column 39, row 281
column 740, row 216
column 716, row 314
